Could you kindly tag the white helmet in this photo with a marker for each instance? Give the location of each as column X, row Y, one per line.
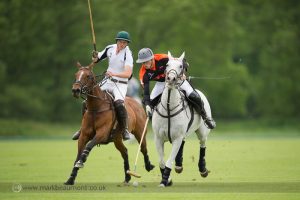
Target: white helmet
column 145, row 54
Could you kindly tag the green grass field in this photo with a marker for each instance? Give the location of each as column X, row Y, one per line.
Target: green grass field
column 247, row 159
column 247, row 167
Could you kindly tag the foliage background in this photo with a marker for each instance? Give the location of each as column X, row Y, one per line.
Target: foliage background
column 256, row 43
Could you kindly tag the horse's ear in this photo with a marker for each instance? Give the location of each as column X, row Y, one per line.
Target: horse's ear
column 78, row 64
column 182, row 56
column 90, row 66
column 169, row 55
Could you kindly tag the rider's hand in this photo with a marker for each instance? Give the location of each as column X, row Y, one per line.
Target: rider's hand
column 109, row 74
column 149, row 111
column 95, row 54
column 183, row 77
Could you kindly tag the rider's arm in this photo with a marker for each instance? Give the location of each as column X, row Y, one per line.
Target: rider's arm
column 146, row 82
column 98, row 56
column 125, row 74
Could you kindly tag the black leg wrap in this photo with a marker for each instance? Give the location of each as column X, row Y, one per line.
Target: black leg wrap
column 147, row 163
column 74, row 172
column 126, row 168
column 71, row 179
column 202, row 163
column 165, row 176
column 84, row 155
column 87, row 150
column 162, row 171
column 179, row 156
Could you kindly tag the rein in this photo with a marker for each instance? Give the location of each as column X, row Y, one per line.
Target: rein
column 169, row 115
column 86, row 91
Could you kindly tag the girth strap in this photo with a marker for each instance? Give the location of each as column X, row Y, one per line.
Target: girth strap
column 173, row 115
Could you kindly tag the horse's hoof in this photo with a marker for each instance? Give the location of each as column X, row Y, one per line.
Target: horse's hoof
column 205, row 173
column 178, row 169
column 161, row 185
column 149, row 167
column 125, row 183
column 70, row 181
column 79, row 164
column 170, row 182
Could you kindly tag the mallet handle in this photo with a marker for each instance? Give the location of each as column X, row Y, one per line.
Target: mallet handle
column 139, row 149
column 92, row 25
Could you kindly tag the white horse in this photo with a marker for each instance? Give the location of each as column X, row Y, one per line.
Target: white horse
column 173, row 120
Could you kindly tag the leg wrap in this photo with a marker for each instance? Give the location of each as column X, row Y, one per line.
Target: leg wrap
column 166, row 176
column 179, row 156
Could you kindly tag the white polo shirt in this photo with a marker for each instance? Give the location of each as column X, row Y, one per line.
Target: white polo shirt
column 117, row 62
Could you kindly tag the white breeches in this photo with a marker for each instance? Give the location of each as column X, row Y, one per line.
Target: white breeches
column 117, row 89
column 159, row 87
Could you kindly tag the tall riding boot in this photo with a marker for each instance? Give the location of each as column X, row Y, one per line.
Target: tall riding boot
column 198, row 104
column 77, row 133
column 122, row 118
column 155, row 101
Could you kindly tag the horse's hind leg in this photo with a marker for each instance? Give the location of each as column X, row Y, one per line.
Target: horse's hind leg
column 202, row 135
column 123, row 150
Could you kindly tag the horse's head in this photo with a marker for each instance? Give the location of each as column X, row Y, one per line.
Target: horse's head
column 174, row 69
column 84, row 80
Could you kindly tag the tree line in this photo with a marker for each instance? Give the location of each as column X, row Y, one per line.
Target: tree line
column 255, row 43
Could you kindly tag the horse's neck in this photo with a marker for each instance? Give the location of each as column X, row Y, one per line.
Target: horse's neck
column 96, row 99
column 171, row 95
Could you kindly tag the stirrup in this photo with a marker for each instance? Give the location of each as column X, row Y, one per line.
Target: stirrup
column 76, row 135
column 126, row 135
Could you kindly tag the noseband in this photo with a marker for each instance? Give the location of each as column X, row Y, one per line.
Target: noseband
column 84, row 88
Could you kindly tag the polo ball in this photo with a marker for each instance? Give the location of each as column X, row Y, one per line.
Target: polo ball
column 135, row 183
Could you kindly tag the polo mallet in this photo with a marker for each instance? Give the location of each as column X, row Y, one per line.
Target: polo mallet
column 92, row 26
column 133, row 173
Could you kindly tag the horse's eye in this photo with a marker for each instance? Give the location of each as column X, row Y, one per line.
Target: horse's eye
column 180, row 66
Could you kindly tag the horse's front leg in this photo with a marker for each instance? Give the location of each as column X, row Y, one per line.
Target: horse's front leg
column 167, row 171
column 160, row 150
column 81, row 143
column 88, row 148
column 179, row 159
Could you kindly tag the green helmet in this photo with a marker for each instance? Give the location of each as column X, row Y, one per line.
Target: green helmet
column 123, row 35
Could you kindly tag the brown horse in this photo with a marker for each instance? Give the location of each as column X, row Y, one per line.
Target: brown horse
column 98, row 122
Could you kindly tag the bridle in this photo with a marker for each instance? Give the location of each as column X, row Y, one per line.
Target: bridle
column 180, row 103
column 176, row 87
column 85, row 89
